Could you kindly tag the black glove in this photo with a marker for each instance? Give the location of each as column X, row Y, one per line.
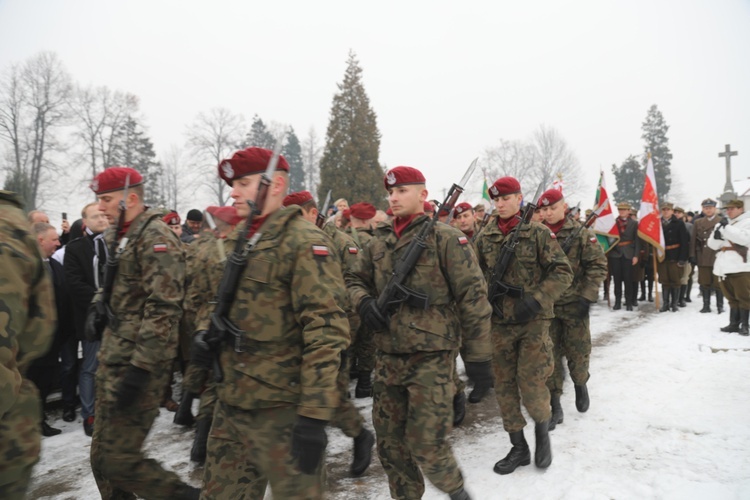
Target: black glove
column 693, row 261
column 480, row 373
column 201, row 353
column 717, row 235
column 582, row 307
column 309, row 441
column 525, row 309
column 723, row 222
column 131, row 385
column 96, row 321
column 371, row 315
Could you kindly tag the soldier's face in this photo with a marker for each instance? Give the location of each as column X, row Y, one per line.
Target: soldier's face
column 244, row 189
column 465, row 221
column 109, row 205
column 667, row 213
column 709, row 211
column 734, row 212
column 552, row 214
column 508, row 205
column 478, row 215
column 407, row 200
column 95, row 219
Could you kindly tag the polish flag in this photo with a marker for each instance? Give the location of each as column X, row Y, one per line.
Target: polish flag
column 649, row 217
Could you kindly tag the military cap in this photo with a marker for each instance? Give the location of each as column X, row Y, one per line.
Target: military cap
column 172, row 218
column 667, row 206
column 362, row 211
column 114, row 179
column 708, row 202
column 479, row 208
column 300, row 198
column 428, row 208
column 503, row 186
column 679, row 209
column 403, row 176
column 347, row 214
column 589, row 212
column 462, row 207
column 624, row 205
column 225, row 214
column 195, row 215
column 735, row 204
column 247, row 162
column 550, row 197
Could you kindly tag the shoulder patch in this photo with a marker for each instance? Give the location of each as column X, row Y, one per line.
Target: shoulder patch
column 552, row 235
column 593, row 239
column 320, row 250
column 353, row 250
column 160, row 247
column 463, row 240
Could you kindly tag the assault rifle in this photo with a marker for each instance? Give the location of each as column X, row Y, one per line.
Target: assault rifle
column 99, row 313
column 485, row 218
column 320, row 220
column 221, row 328
column 497, row 287
column 395, row 292
column 586, row 224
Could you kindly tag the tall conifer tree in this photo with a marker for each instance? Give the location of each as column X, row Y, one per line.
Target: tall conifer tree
column 655, row 134
column 629, row 180
column 292, row 151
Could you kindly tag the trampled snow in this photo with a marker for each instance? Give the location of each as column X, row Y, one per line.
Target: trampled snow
column 669, row 418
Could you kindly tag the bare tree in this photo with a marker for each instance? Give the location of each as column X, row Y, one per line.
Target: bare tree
column 311, row 151
column 212, row 137
column 173, row 181
column 510, row 158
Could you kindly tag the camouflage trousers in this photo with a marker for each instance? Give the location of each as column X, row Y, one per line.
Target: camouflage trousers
column 412, row 413
column 736, row 288
column 363, row 350
column 522, row 362
column 201, row 381
column 571, row 337
column 250, row 449
column 117, row 461
column 347, row 417
column 20, row 442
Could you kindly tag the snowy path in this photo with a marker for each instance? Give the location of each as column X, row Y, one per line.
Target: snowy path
column 669, row 418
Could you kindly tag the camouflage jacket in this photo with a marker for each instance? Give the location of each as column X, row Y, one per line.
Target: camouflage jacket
column 588, row 262
column 447, row 273
column 539, row 266
column 346, row 250
column 146, row 296
column 206, row 258
column 361, row 236
column 288, row 306
column 27, row 308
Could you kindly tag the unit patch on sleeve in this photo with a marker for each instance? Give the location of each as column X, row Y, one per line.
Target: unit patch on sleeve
column 320, row 250
column 353, row 250
column 463, row 240
column 160, row 247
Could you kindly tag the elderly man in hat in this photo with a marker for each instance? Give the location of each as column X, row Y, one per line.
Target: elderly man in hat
column 730, row 241
column 704, row 257
column 192, row 226
column 624, row 256
column 676, row 250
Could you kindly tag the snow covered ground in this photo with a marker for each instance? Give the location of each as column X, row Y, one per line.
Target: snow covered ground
column 669, row 418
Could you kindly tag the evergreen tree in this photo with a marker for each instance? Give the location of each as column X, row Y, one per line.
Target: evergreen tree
column 657, row 143
column 134, row 149
column 629, row 178
column 350, row 164
column 259, row 135
column 292, row 151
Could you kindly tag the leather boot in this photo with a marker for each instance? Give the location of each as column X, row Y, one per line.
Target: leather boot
column 184, row 415
column 198, row 451
column 48, row 430
column 665, row 293
column 459, row 408
column 362, row 452
column 683, row 292
column 543, row 452
column 582, row 398
column 460, row 495
column 651, row 290
column 689, row 289
column 557, row 412
column 364, row 385
column 519, row 455
column 618, row 303
column 719, row 300
column 643, row 291
column 706, row 293
column 675, row 291
column 744, row 315
column 734, row 321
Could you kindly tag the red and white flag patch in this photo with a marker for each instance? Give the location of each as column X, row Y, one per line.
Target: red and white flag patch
column 160, row 247
column 463, row 240
column 320, row 250
column 353, row 250
column 552, row 235
column 593, row 239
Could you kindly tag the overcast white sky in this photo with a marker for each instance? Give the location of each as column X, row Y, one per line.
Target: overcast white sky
column 446, row 79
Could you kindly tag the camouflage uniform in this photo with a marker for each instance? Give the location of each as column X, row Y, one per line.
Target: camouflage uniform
column 413, row 386
column 146, row 301
column 287, row 305
column 569, row 330
column 523, row 351
column 363, row 344
column 27, row 316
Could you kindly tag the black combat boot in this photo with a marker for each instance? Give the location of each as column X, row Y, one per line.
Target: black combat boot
column 618, row 302
column 198, row 451
column 643, row 291
column 651, row 290
column 665, row 293
column 675, row 291
column 734, row 321
column 706, row 293
column 48, row 430
column 683, row 292
column 689, row 288
column 518, row 455
column 719, row 300
column 543, row 452
column 744, row 315
column 364, row 385
column 186, row 492
column 459, row 408
column 184, row 415
column 582, row 398
column 362, row 452
column 557, row 412
column 460, row 495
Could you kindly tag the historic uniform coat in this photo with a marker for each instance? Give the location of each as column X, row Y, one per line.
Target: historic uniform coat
column 732, row 269
column 620, row 258
column 704, row 255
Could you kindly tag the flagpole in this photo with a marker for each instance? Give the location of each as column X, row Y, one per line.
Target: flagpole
column 656, row 280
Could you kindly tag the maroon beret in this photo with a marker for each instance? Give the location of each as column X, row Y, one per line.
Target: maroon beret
column 503, row 186
column 114, row 179
column 389, row 212
column 428, row 208
column 402, row 176
column 172, row 218
column 463, row 207
column 362, row 211
column 550, row 197
column 225, row 214
column 247, row 162
column 347, row 214
column 300, row 198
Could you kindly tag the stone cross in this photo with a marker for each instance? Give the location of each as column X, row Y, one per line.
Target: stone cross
column 728, row 153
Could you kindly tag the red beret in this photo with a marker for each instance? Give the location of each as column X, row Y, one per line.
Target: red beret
column 428, row 208
column 463, row 207
column 300, row 198
column 550, row 197
column 503, row 186
column 114, row 179
column 347, row 214
column 362, row 211
column 402, row 176
column 172, row 218
column 225, row 214
column 389, row 212
column 247, row 162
